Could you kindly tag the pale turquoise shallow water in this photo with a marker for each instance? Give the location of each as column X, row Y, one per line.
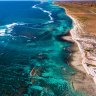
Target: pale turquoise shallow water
column 29, row 34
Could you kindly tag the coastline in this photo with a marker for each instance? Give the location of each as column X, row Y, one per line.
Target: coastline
column 82, row 81
column 82, row 75
column 77, row 55
column 77, row 27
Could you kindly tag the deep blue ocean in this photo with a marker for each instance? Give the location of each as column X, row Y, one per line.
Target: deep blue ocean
column 33, row 58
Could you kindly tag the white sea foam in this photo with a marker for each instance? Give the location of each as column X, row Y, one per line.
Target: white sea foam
column 11, row 26
column 2, row 32
column 45, row 11
column 7, row 29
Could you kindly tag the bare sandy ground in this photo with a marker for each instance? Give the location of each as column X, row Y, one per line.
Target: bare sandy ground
column 84, row 35
column 80, row 81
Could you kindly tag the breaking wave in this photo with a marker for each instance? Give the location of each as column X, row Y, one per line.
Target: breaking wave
column 45, row 11
column 5, row 30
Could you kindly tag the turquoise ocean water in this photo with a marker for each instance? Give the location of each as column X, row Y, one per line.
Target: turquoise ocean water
column 33, row 58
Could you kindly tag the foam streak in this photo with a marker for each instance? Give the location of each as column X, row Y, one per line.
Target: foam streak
column 45, row 11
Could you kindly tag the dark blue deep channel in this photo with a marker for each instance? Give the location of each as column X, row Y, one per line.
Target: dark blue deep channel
column 33, row 60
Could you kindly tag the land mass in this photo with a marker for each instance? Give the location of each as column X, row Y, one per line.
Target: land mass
column 83, row 14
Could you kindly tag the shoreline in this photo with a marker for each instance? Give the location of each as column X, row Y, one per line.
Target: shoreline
column 75, row 37
column 76, row 27
column 82, row 80
column 75, row 57
column 85, row 73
